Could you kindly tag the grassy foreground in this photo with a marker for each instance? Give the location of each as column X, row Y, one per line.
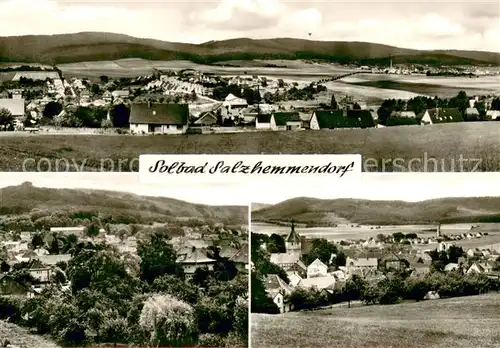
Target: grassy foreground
column 459, row 323
column 20, row 337
column 449, row 147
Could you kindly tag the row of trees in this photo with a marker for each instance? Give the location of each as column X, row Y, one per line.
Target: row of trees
column 395, row 289
column 120, row 298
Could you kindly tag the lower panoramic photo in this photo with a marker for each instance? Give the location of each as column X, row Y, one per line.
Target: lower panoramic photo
column 95, row 259
column 404, row 261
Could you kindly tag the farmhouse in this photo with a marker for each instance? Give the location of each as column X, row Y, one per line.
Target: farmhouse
column 10, row 286
column 149, row 118
column 285, row 121
column 471, row 114
column 320, row 283
column 122, row 94
column 207, row 118
column 263, row 121
column 278, row 290
column 193, row 259
column 68, row 230
column 52, row 260
column 16, row 108
column 333, row 119
column 234, row 105
column 405, row 114
column 441, row 115
column 361, row 263
column 317, row 269
column 493, row 114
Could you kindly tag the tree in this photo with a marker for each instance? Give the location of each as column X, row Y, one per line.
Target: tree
column 104, row 78
column 169, row 321
column 261, row 303
column 356, row 106
column 333, row 103
column 120, row 116
column 52, row 109
column 158, row 258
column 37, row 241
column 398, row 236
column 95, row 89
column 321, row 249
column 340, row 259
column 276, row 244
column 4, row 267
column 6, row 119
column 92, row 230
column 353, row 289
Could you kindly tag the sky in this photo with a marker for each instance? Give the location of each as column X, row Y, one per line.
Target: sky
column 375, row 186
column 424, row 24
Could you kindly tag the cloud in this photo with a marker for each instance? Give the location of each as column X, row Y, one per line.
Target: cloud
column 407, row 23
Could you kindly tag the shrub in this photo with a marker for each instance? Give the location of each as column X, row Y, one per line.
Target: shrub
column 168, row 321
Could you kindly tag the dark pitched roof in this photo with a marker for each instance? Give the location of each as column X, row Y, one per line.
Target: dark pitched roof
column 281, row 118
column 206, row 117
column 444, row 115
column 331, row 119
column 152, row 113
column 264, row 118
column 360, row 118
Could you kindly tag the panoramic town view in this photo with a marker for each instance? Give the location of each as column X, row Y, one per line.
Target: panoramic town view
column 96, row 95
column 378, row 272
column 82, row 266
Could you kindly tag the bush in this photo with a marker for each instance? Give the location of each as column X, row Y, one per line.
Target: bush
column 168, row 321
column 11, row 308
column 211, row 340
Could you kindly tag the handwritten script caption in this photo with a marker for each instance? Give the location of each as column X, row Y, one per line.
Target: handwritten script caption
column 155, row 168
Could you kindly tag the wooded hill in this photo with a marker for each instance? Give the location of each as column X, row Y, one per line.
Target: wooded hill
column 96, row 46
column 318, row 212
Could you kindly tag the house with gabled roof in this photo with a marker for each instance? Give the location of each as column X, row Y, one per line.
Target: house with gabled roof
column 278, row 290
column 207, row 118
column 193, row 259
column 471, row 114
column 156, row 118
column 285, row 260
column 493, row 115
column 336, row 119
column 317, row 269
column 319, row 283
column 263, row 121
column 285, row 121
column 441, row 115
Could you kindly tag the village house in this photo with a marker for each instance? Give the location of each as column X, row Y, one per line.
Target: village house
column 391, row 261
column 193, row 259
column 285, row 121
column 78, row 231
column 319, row 283
column 479, row 268
column 294, row 278
column 263, row 121
column 361, row 263
column 234, row 106
column 471, row 114
column 278, row 291
column 403, row 114
column 451, row 267
column 150, row 118
column 122, row 94
column 441, row 115
column 493, row 115
column 333, row 119
column 52, row 260
column 43, row 274
column 107, row 97
column 207, row 118
column 317, row 269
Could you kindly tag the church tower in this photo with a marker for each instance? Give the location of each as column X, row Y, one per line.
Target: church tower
column 292, row 241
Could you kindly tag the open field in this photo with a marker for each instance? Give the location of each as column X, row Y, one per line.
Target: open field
column 402, row 86
column 450, row 323
column 137, row 67
column 21, row 337
column 354, row 232
column 449, row 147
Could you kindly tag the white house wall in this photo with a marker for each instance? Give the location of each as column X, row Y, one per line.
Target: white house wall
column 314, row 125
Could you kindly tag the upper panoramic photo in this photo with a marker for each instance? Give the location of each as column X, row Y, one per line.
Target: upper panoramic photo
column 96, row 260
column 89, row 85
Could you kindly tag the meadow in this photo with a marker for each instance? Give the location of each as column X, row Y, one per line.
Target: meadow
column 461, row 322
column 21, row 337
column 437, row 148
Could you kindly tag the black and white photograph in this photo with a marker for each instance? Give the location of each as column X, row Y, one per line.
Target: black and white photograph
column 407, row 261
column 97, row 260
column 91, row 85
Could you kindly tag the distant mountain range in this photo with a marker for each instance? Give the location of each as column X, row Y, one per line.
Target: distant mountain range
column 319, row 212
column 26, row 197
column 97, row 46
